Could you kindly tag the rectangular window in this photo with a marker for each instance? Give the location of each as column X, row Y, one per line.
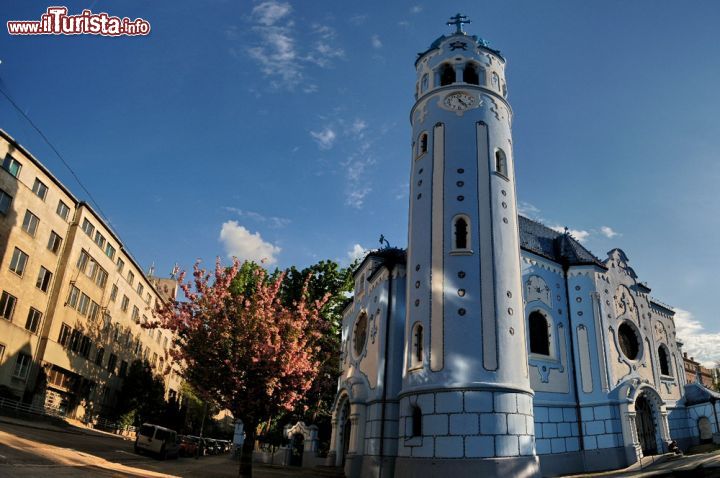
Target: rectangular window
column 159, row 336
column 54, row 243
column 99, row 356
column 99, row 239
column 120, row 265
column 33, row 320
column 65, row 332
column 94, row 310
column 73, row 296
column 83, row 260
column 154, row 360
column 92, row 269
column 40, row 189
column 75, row 337
column 110, row 251
column 7, row 305
column 22, row 366
column 140, row 289
column 18, row 262
column 116, row 336
column 30, row 223
column 136, row 314
column 2, row 352
column 5, row 201
column 63, row 210
column 144, row 319
column 85, row 346
column 123, row 369
column 107, row 320
column 125, row 303
column 83, row 304
column 113, row 293
column 11, row 165
column 88, row 228
column 112, row 362
column 43, row 280
column 101, row 278
column 130, row 277
column 147, row 298
column 165, row 342
column 59, row 378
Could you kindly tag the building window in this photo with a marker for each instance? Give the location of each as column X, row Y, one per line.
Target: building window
column 136, row 314
column 30, row 223
column 43, row 280
column 83, row 260
column 33, row 320
column 417, row 345
column 110, row 251
column 495, row 81
column 88, row 228
column 539, row 334
column 2, row 352
column 113, row 293
column 501, row 162
column 54, row 242
column 125, row 303
column 140, row 289
column 123, row 369
column 62, row 210
column 470, row 74
column 18, row 262
column 112, row 362
column 130, row 277
column 360, row 333
column 447, row 74
column 120, row 265
column 99, row 240
column 422, row 144
column 11, row 165
column 101, row 278
column 629, row 342
column 461, row 232
column 65, row 332
column 83, row 304
column 22, row 366
column 40, row 189
column 85, row 346
column 5, row 201
column 424, row 83
column 94, row 310
column 73, row 296
column 99, row 356
column 7, row 305
column 664, row 359
column 416, row 428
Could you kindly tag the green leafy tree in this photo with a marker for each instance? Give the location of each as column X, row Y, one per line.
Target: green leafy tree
column 142, row 396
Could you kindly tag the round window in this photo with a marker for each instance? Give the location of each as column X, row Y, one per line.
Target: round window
column 360, row 335
column 629, row 340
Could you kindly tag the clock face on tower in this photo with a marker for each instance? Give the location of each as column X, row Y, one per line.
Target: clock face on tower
column 460, row 101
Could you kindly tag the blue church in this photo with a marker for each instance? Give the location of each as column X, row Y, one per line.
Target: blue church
column 494, row 345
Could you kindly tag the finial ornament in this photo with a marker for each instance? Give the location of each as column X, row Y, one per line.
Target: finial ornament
column 384, row 241
column 458, row 20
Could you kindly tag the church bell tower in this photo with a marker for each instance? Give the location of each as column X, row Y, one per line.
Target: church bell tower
column 466, row 403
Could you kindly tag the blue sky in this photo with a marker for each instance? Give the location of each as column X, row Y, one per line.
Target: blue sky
column 280, row 129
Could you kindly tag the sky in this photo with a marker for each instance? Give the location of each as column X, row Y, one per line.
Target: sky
column 279, row 130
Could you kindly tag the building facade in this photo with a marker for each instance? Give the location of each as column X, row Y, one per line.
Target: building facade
column 72, row 297
column 495, row 345
column 695, row 372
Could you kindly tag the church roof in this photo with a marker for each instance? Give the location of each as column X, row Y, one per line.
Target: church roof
column 696, row 393
column 478, row 41
column 556, row 246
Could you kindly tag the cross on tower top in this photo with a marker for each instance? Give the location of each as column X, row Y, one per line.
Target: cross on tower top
column 458, row 20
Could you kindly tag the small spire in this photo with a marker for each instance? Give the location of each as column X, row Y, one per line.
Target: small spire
column 458, row 20
column 384, row 241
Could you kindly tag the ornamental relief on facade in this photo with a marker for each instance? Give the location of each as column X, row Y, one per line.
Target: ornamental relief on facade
column 625, row 304
column 537, row 289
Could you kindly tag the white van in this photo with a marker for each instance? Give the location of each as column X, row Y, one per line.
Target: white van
column 158, row 440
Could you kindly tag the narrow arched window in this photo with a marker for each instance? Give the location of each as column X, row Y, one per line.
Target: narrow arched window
column 461, row 233
column 424, row 83
column 417, row 345
column 495, row 81
column 447, row 74
column 539, row 334
column 501, row 162
column 470, row 75
column 416, row 429
column 664, row 361
column 423, row 144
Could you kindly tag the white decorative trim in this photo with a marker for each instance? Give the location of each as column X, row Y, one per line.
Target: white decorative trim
column 437, row 276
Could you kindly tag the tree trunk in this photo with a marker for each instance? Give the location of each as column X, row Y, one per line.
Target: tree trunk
column 247, row 451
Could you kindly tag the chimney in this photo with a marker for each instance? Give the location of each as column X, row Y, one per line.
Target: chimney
column 684, row 354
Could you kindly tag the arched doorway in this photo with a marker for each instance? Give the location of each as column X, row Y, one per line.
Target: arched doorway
column 645, row 426
column 346, row 428
column 705, row 430
column 297, row 447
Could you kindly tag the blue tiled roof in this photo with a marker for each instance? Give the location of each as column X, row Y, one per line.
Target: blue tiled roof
column 556, row 246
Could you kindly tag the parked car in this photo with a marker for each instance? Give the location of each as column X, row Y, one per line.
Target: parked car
column 158, row 440
column 189, row 445
column 201, row 444
column 213, row 446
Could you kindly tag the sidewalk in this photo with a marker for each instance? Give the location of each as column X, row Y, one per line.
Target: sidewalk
column 700, row 465
column 57, row 425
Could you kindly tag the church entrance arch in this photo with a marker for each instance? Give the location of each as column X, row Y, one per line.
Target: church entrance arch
column 297, row 447
column 645, row 425
column 705, row 430
column 346, row 430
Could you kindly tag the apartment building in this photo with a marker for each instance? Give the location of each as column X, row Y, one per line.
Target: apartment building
column 72, row 298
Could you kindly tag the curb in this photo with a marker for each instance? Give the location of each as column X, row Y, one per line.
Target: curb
column 53, row 428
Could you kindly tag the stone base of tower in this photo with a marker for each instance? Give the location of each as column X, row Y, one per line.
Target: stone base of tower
column 588, row 461
column 516, row 467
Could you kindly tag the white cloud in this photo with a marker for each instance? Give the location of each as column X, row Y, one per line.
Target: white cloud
column 358, row 127
column 579, row 234
column 701, row 345
column 355, row 195
column 608, row 232
column 270, row 12
column 528, row 210
column 241, row 243
column 375, row 41
column 416, row 9
column 274, row 222
column 324, row 138
column 357, row 252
